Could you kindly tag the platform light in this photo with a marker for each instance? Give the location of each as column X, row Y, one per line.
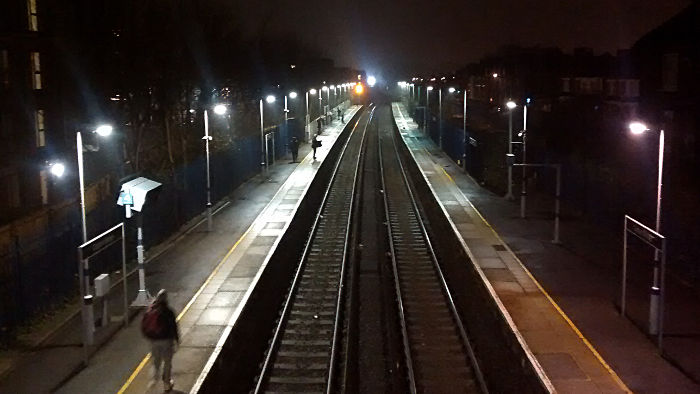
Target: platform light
column 312, row 91
column 511, row 105
column 371, row 80
column 292, row 95
column 57, row 169
column 103, row 130
column 495, row 75
column 638, row 127
column 220, row 109
column 359, row 89
column 451, row 90
column 430, row 88
column 325, row 88
column 270, row 99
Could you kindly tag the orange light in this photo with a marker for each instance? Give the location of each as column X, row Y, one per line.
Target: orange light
column 359, row 89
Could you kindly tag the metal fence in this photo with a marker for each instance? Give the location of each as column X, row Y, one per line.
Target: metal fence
column 40, row 273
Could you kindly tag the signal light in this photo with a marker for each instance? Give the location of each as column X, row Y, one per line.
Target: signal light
column 359, row 88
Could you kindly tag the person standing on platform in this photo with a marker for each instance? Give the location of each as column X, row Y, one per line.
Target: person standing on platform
column 294, row 147
column 340, row 115
column 316, row 143
column 319, row 125
column 160, row 328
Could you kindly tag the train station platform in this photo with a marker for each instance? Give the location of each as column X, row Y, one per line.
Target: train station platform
column 573, row 362
column 208, row 276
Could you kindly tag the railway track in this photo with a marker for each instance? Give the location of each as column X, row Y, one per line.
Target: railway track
column 303, row 352
column 438, row 356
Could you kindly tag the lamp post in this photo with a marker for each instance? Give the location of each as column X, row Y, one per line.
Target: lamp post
column 263, row 145
column 511, row 106
column 221, row 110
column 328, row 100
column 308, row 116
column 464, row 131
column 427, row 108
column 102, row 131
column 523, row 191
column 638, row 128
column 440, row 117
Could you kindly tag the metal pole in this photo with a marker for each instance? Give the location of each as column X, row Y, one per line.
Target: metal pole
column 83, row 310
column 464, row 132
column 286, row 112
column 623, row 296
column 85, row 276
column 263, row 159
column 207, row 137
column 143, row 298
column 440, row 116
column 126, row 300
column 663, row 295
column 654, row 296
column 557, row 206
column 509, row 194
column 307, row 120
column 427, row 110
column 523, row 192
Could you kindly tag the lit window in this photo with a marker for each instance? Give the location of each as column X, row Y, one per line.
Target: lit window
column 33, row 18
column 36, row 70
column 40, row 128
column 4, row 67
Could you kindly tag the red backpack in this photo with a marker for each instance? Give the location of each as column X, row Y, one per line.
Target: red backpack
column 151, row 324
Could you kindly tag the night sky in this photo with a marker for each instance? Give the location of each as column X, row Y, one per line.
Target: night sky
column 443, row 35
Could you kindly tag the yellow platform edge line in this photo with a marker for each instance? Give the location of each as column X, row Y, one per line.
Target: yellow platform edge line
column 561, row 312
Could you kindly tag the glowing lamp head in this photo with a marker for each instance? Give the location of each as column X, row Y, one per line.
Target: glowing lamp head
column 312, row 91
column 451, row 90
column 292, row 95
column 104, row 130
column 359, row 89
column 638, row 127
column 270, row 99
column 57, row 169
column 429, row 88
column 333, row 87
column 220, row 109
column 371, row 80
column 495, row 75
column 511, row 105
column 325, row 88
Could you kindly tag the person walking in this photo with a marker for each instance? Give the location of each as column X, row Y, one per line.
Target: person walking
column 294, row 147
column 316, row 143
column 160, row 328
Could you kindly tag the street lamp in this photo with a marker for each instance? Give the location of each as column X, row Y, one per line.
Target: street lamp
column 219, row 109
column 57, row 169
column 263, row 146
column 639, row 128
column 102, row 131
column 451, row 89
column 291, row 95
column 511, row 106
column 523, row 190
column 464, row 130
column 308, row 117
column 427, row 108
